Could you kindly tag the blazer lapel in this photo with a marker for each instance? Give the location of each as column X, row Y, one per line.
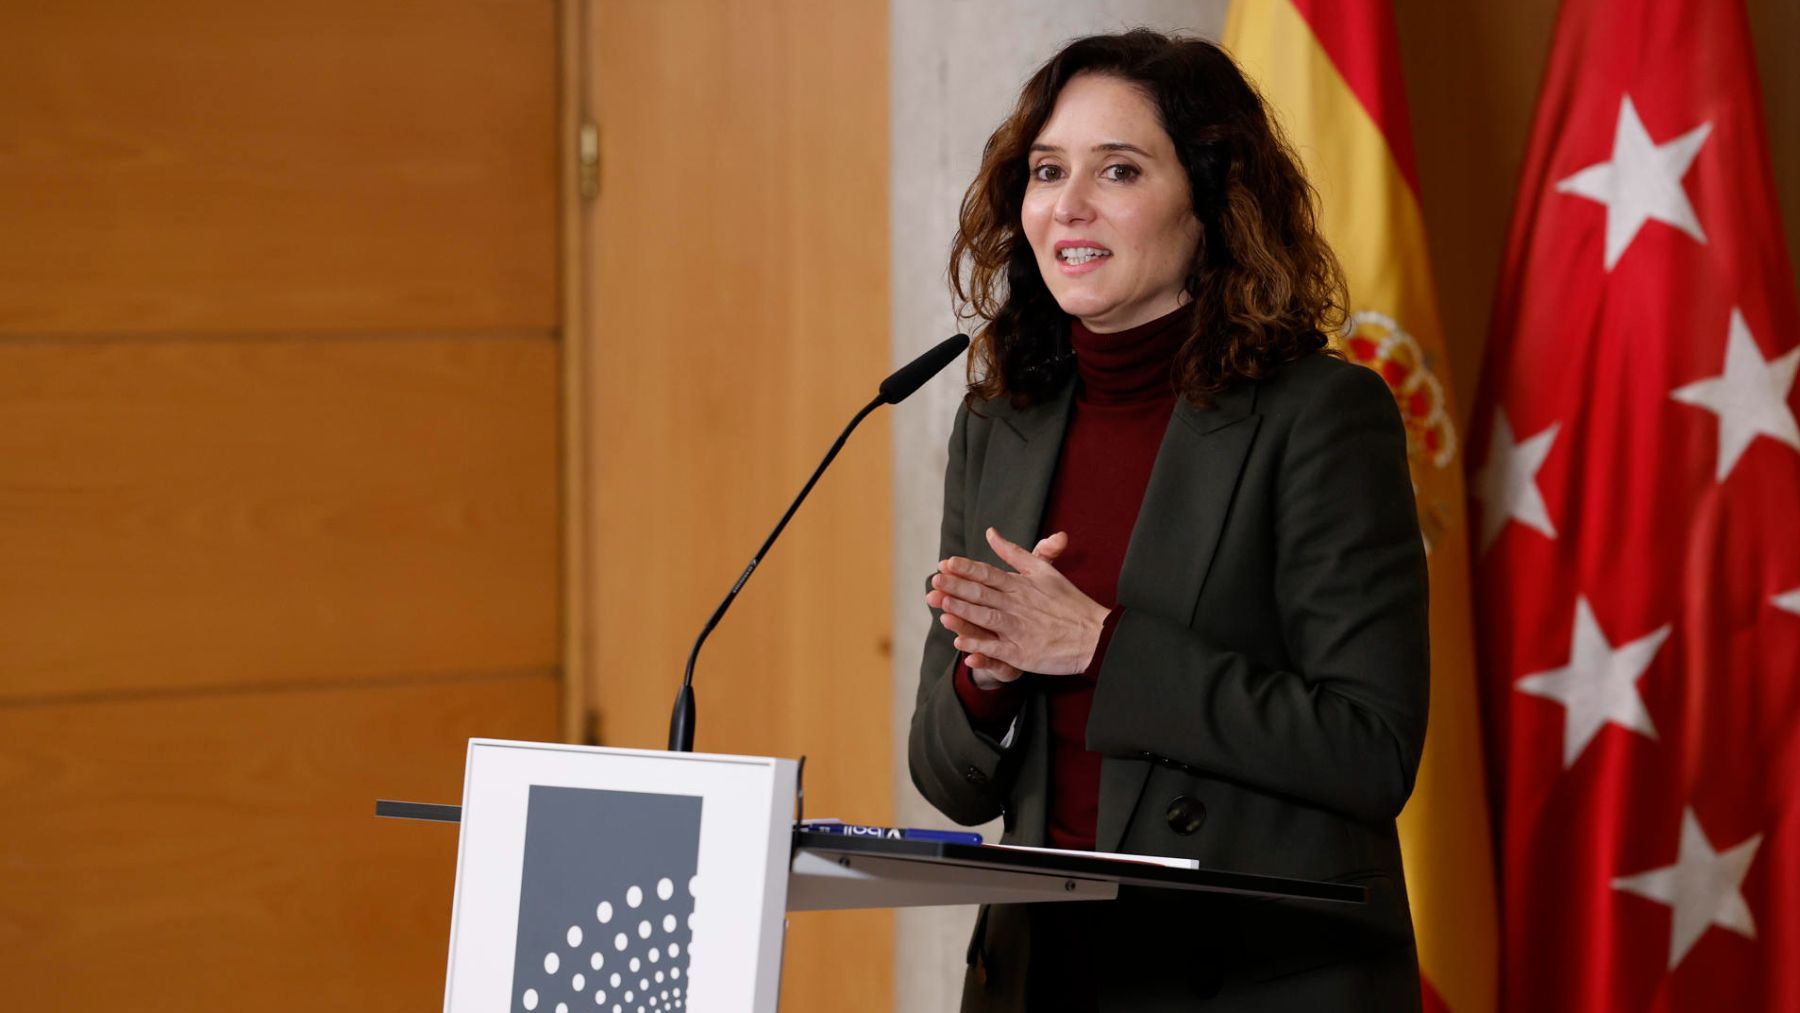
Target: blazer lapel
column 1015, row 483
column 1171, row 549
column 1015, row 475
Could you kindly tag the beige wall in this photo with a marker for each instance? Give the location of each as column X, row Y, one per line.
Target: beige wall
column 279, row 331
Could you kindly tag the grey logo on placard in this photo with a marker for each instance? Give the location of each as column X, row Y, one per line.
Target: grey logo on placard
column 606, row 905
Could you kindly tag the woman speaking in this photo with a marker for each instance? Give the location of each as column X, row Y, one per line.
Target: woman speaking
column 1215, row 647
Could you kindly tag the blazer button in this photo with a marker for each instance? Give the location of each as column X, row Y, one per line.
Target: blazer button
column 1186, row 814
column 974, row 775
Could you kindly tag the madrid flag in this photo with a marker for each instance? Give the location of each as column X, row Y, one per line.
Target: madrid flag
column 1330, row 69
column 1637, row 499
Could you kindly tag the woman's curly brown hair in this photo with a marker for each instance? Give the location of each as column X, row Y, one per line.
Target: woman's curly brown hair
column 1265, row 286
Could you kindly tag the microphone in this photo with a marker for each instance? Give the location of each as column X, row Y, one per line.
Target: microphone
column 899, row 385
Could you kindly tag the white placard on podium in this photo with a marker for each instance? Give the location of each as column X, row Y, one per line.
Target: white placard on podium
column 601, row 879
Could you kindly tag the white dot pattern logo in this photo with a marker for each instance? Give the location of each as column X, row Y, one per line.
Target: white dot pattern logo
column 604, row 867
column 652, row 945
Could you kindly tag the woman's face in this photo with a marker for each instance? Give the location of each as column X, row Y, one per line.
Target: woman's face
column 1106, row 207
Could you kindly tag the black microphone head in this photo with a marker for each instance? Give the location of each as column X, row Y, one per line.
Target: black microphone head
column 903, row 381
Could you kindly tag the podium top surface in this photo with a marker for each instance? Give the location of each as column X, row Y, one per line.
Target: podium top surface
column 1119, row 869
column 1115, row 869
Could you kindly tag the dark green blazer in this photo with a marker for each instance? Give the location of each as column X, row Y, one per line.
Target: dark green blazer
column 1261, row 706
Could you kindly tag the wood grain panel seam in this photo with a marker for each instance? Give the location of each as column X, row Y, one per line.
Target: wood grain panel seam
column 575, row 485
column 280, row 686
column 265, row 337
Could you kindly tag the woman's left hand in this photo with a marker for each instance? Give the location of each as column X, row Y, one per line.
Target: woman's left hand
column 1036, row 619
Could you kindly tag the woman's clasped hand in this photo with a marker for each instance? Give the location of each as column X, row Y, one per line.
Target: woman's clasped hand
column 1027, row 619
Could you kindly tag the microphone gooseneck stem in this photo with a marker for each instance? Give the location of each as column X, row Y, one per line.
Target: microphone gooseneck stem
column 681, row 722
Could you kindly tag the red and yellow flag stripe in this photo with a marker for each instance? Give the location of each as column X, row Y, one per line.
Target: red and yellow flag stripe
column 1330, row 71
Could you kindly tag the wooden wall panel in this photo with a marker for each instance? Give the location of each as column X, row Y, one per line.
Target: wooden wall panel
column 218, row 852
column 211, row 165
column 198, row 513
column 280, row 315
column 740, row 298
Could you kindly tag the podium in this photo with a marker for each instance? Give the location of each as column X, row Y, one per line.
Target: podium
column 618, row 879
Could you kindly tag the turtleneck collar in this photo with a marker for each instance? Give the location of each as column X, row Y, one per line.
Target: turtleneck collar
column 1132, row 364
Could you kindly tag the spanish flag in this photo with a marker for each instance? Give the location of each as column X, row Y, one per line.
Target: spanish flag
column 1330, row 71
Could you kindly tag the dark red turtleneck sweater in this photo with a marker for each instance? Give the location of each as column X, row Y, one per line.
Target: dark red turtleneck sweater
column 1123, row 399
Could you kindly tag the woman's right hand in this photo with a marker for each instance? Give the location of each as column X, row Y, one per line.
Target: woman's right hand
column 992, row 673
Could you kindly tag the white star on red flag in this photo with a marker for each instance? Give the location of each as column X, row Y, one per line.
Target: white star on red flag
column 1702, row 888
column 1599, row 684
column 1789, row 600
column 1642, row 182
column 1507, row 485
column 1750, row 397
